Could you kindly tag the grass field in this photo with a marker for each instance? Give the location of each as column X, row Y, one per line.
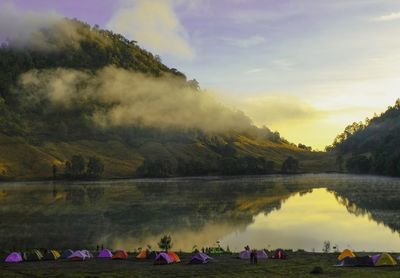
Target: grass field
column 299, row 264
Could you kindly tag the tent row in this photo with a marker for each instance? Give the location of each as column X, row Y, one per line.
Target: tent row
column 348, row 258
column 262, row 255
column 82, row 255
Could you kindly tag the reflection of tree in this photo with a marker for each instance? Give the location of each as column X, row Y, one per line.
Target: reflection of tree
column 135, row 209
column 379, row 204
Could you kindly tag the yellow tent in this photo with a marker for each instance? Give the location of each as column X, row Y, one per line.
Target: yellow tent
column 346, row 253
column 56, row 254
column 385, row 259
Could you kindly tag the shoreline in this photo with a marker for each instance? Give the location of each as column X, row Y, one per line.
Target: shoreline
column 298, row 264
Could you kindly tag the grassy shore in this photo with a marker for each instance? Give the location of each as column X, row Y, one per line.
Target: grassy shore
column 299, row 264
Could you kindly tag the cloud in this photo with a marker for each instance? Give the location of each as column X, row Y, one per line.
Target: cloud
column 253, row 71
column 154, row 24
column 271, row 110
column 245, row 42
column 125, row 98
column 387, row 17
column 22, row 26
column 47, row 31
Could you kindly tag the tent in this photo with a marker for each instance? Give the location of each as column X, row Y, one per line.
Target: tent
column 163, row 258
column 14, row 257
column 32, row 256
column 261, row 255
column 88, row 254
column 244, row 255
column 279, row 254
column 357, row 261
column 142, row 255
column 78, row 256
column 105, row 254
column 385, row 260
column 375, row 258
column 152, row 255
column 346, row 253
column 51, row 255
column 120, row 255
column 200, row 258
column 174, row 257
column 66, row 253
column 398, row 258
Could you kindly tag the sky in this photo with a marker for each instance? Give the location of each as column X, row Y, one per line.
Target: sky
column 306, row 68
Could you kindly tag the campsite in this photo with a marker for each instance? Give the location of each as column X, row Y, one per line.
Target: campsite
column 297, row 264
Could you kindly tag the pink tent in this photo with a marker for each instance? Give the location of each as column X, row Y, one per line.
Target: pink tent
column 105, row 254
column 78, row 256
column 14, row 257
column 163, row 258
column 244, row 255
column 261, row 255
column 87, row 253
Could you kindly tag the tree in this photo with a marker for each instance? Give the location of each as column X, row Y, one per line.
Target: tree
column 95, row 167
column 75, row 167
column 359, row 164
column 290, row 165
column 194, row 84
column 339, row 162
column 165, row 243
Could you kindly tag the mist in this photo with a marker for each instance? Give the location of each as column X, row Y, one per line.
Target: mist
column 48, row 31
column 125, row 98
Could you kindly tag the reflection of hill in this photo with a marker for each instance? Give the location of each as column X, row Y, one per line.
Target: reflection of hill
column 379, row 204
column 83, row 215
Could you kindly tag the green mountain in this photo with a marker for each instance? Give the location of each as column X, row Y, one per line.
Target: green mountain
column 373, row 146
column 73, row 91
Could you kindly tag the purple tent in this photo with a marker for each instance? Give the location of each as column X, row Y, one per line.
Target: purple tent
column 105, row 254
column 14, row 257
column 244, row 255
column 261, row 255
column 200, row 258
column 375, row 258
column 163, row 258
column 88, row 254
column 398, row 258
column 78, row 256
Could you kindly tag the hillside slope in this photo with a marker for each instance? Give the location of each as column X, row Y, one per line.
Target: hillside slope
column 373, row 146
column 86, row 91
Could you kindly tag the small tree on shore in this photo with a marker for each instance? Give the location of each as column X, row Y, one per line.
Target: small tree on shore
column 165, row 243
column 327, row 246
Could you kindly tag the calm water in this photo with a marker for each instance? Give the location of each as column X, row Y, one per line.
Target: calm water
column 298, row 212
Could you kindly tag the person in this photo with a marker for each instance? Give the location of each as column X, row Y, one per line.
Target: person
column 251, row 257
column 202, row 250
column 97, row 248
column 247, row 248
column 255, row 259
column 102, row 248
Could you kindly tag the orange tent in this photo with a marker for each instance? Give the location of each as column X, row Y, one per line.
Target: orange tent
column 142, row 255
column 120, row 255
column 174, row 257
column 346, row 253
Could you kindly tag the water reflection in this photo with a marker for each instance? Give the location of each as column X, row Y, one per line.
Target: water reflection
column 290, row 212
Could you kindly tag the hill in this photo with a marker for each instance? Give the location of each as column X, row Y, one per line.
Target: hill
column 373, row 146
column 72, row 93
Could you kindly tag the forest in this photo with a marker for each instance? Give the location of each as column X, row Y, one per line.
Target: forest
column 75, row 90
column 371, row 147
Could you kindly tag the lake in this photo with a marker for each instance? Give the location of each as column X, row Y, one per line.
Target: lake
column 293, row 212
